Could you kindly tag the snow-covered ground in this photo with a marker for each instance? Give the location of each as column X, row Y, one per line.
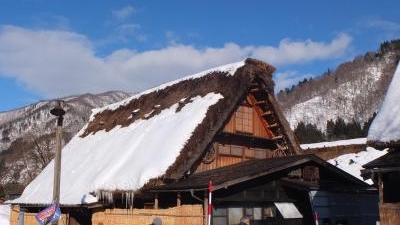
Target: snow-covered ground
column 4, row 214
column 352, row 163
column 357, row 141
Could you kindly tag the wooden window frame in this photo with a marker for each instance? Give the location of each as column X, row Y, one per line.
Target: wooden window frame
column 244, row 119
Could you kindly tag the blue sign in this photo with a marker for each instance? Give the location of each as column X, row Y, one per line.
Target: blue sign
column 49, row 215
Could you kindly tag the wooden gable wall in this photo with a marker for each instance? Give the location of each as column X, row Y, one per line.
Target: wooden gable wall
column 245, row 120
column 246, row 136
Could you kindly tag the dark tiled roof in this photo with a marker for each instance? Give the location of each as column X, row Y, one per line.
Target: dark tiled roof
column 237, row 173
column 391, row 159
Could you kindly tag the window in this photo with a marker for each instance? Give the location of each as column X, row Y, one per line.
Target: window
column 231, row 150
column 257, row 213
column 224, row 149
column 244, row 119
column 391, row 186
column 232, row 215
column 260, row 153
column 219, row 216
column 311, row 174
column 249, row 153
column 237, row 150
column 269, row 212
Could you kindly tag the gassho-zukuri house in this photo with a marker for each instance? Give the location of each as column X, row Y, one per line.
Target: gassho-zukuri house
column 384, row 133
column 153, row 155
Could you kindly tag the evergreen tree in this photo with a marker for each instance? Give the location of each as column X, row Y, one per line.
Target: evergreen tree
column 2, row 193
column 330, row 130
column 340, row 129
column 308, row 133
column 367, row 124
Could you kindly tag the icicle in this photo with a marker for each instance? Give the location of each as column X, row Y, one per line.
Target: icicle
column 129, row 196
column 106, row 196
column 132, row 196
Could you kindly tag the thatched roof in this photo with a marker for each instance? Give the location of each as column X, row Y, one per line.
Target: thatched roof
column 385, row 129
column 233, row 88
column 159, row 133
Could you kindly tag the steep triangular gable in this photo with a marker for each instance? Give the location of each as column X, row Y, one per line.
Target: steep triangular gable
column 258, row 117
column 255, row 129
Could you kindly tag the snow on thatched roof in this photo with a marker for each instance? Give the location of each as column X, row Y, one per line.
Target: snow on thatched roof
column 385, row 129
column 158, row 133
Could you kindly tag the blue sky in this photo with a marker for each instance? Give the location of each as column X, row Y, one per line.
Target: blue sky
column 53, row 48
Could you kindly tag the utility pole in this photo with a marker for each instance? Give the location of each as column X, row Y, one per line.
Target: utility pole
column 59, row 112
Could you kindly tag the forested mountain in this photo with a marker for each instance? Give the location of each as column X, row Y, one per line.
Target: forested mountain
column 27, row 134
column 341, row 99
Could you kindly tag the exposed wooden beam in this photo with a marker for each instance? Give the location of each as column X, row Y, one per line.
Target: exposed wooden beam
column 259, row 112
column 273, row 125
column 245, row 140
column 261, row 102
column 267, row 113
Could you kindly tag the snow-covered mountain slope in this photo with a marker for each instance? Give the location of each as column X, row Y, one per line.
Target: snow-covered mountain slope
column 37, row 118
column 27, row 134
column 355, row 90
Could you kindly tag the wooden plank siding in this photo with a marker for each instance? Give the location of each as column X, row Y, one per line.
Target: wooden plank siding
column 226, row 155
column 245, row 121
column 234, row 126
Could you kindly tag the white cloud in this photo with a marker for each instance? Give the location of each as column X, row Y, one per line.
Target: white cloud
column 58, row 63
column 295, row 52
column 384, row 29
column 123, row 13
column 383, row 25
column 128, row 31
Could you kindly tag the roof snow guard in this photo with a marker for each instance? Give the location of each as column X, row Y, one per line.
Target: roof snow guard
column 159, row 133
column 385, row 129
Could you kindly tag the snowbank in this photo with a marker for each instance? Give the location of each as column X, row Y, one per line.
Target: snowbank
column 357, row 141
column 352, row 163
column 4, row 214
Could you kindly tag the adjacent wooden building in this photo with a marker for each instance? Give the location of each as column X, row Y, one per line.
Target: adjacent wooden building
column 154, row 154
column 384, row 133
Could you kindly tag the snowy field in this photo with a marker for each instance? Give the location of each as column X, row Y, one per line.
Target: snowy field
column 352, row 163
column 4, row 214
column 356, row 141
